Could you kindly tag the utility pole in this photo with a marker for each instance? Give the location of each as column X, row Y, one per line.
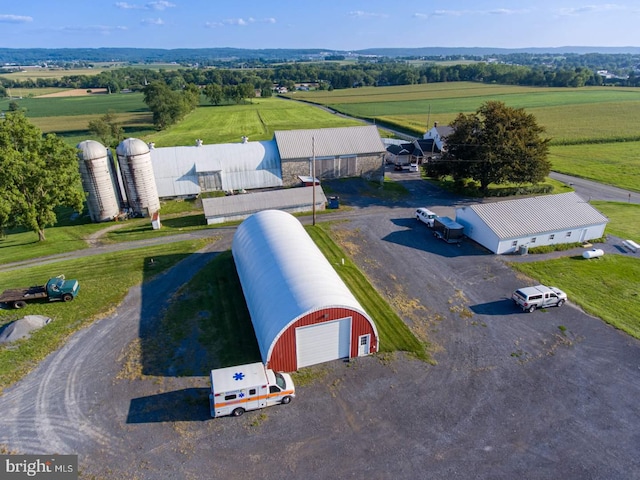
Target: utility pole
column 313, row 176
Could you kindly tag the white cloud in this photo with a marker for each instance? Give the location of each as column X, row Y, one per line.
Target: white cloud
column 239, row 22
column 15, row 19
column 129, row 6
column 420, row 15
column 159, row 5
column 102, row 29
column 152, row 21
column 590, row 9
column 461, row 13
column 362, row 14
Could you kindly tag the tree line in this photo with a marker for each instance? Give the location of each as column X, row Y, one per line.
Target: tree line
column 330, row 76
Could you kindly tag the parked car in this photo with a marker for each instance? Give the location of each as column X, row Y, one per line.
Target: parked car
column 425, row 216
column 539, row 296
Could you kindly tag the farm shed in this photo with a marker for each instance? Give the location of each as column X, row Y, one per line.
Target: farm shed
column 239, row 207
column 302, row 312
column 339, row 152
column 511, row 225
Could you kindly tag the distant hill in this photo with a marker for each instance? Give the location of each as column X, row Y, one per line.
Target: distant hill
column 483, row 51
column 28, row 56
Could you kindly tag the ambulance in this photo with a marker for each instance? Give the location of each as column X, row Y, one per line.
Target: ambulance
column 234, row 390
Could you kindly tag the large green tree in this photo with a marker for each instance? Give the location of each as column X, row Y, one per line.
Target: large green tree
column 496, row 144
column 39, row 174
column 170, row 106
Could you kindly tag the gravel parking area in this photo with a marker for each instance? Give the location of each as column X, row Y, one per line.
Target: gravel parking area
column 553, row 394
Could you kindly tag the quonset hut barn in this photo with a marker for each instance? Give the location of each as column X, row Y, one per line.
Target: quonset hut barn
column 302, row 312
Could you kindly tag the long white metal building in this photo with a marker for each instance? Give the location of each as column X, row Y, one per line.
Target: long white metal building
column 507, row 226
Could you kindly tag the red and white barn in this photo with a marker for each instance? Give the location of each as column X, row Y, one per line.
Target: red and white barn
column 302, row 312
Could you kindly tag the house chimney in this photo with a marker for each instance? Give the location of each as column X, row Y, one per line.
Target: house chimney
column 435, row 124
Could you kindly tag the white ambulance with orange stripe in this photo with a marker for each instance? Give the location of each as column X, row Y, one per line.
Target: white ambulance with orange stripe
column 234, row 390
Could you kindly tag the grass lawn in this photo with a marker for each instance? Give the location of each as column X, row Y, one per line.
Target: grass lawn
column 606, row 287
column 624, row 218
column 120, row 271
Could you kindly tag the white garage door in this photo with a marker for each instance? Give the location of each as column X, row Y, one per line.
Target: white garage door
column 323, row 342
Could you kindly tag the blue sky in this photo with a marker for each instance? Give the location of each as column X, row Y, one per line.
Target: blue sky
column 327, row 24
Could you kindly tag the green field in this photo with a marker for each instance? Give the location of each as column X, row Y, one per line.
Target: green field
column 257, row 120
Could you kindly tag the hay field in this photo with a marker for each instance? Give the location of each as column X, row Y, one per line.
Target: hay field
column 257, row 120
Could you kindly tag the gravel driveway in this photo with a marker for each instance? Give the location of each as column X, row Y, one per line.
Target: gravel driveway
column 509, row 394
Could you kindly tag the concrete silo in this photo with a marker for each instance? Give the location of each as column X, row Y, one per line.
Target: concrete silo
column 97, row 181
column 138, row 180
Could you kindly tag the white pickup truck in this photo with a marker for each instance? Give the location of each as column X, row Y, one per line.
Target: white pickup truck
column 425, row 215
column 540, row 296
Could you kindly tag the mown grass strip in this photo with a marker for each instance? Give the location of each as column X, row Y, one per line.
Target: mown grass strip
column 606, row 287
column 104, row 282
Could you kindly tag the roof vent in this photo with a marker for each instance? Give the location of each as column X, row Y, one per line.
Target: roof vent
column 245, row 139
column 198, row 142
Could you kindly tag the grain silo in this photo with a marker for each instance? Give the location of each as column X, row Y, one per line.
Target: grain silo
column 139, row 182
column 97, row 181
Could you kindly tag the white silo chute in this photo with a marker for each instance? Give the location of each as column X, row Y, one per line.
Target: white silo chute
column 134, row 159
column 97, row 181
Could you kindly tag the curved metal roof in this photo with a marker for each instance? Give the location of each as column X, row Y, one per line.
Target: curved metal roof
column 284, row 275
column 92, row 150
column 131, row 147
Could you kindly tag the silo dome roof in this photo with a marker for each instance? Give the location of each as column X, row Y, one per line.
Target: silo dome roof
column 131, row 147
column 91, row 150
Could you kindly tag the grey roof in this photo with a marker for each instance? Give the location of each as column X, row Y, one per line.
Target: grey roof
column 249, row 203
column 444, row 130
column 535, row 215
column 329, row 142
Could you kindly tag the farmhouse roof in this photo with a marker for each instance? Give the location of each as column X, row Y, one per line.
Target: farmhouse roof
column 328, row 142
column 528, row 216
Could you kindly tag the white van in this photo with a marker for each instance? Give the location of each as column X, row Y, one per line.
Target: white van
column 234, row 390
column 425, row 216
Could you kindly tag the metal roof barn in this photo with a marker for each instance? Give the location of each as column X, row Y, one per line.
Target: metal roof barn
column 328, row 142
column 188, row 171
column 503, row 227
column 302, row 312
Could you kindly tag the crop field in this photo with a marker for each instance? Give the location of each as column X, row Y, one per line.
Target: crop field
column 568, row 114
column 34, row 73
column 83, row 105
column 257, row 120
